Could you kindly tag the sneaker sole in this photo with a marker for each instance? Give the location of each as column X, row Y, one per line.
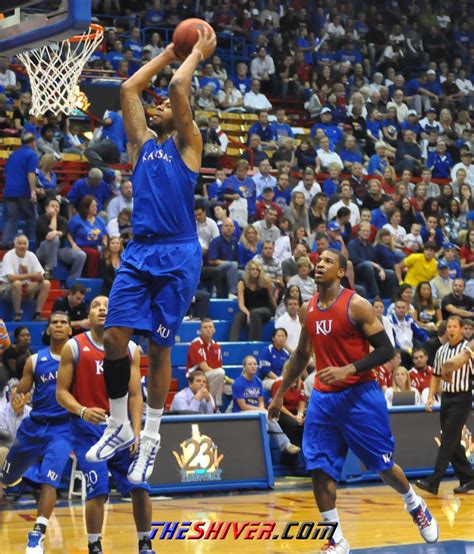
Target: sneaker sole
column 105, row 458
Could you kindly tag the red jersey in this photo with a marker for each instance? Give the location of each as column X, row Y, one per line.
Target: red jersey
column 292, row 397
column 89, row 385
column 383, row 376
column 336, row 341
column 201, row 351
column 421, row 379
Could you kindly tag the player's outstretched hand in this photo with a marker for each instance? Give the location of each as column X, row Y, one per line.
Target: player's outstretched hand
column 275, row 407
column 206, row 43
column 95, row 416
column 330, row 375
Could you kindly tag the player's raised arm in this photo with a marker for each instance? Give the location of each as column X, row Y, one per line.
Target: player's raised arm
column 130, row 98
column 294, row 367
column 363, row 315
column 189, row 140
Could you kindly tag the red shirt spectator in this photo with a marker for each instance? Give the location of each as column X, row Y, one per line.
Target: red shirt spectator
column 292, row 397
column 202, row 351
column 420, row 379
column 262, row 206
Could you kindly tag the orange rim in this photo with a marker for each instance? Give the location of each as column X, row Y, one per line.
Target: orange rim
column 94, row 31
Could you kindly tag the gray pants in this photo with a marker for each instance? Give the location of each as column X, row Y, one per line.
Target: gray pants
column 275, row 431
column 231, row 272
column 420, row 103
column 215, row 380
column 49, row 251
column 17, row 208
column 102, row 153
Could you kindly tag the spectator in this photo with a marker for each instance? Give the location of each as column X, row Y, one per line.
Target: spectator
column 271, row 265
column 247, row 395
column 134, row 43
column 8, row 80
column 109, row 263
column 427, row 311
column 266, row 202
column 230, row 98
column 292, row 413
column 53, row 242
column 325, row 156
column 272, row 358
column 240, row 185
column 401, row 383
column 386, row 254
column 262, row 68
column 15, row 356
column 88, row 231
column 254, row 100
column 208, row 80
column 47, row 144
column 121, row 226
column 395, row 228
column 467, row 165
column 379, row 161
column 365, row 217
column 330, row 129
column 206, row 227
column 242, row 82
column 256, row 303
column 22, row 268
column 420, row 373
column 407, row 332
column 380, row 215
column 457, row 303
column 440, row 162
column 74, row 305
column 47, row 180
column 281, row 126
column 195, row 398
column 20, row 189
column 345, row 202
column 256, row 152
column 205, row 355
column 433, row 345
column 223, row 255
column 289, row 266
column 442, row 284
column 263, row 178
column 302, row 279
column 11, row 416
column 368, row 273
column 92, row 185
column 466, row 256
column 308, row 186
column 384, row 373
column 248, row 246
column 379, row 308
column 305, row 154
column 420, row 267
column 21, row 113
column 290, row 321
column 124, row 199
column 221, row 214
column 266, row 228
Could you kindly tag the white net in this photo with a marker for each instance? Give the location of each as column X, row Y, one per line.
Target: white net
column 54, row 70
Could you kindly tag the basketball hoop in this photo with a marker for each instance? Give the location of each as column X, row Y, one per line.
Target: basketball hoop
column 54, row 70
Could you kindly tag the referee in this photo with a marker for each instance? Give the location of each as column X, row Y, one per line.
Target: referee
column 455, row 409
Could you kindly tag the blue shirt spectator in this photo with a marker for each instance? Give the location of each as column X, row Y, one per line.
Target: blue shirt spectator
column 267, row 134
column 330, row 187
column 114, row 130
column 47, row 183
column 93, row 185
column 212, row 82
column 282, row 129
column 85, row 232
column 272, row 360
column 19, row 166
column 246, row 188
column 242, row 84
column 223, row 249
column 351, row 55
column 134, row 43
column 376, row 163
column 440, row 164
column 114, row 58
column 332, row 131
column 250, row 391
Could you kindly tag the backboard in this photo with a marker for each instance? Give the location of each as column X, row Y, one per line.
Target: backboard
column 29, row 24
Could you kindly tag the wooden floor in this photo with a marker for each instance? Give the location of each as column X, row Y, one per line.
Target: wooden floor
column 372, row 516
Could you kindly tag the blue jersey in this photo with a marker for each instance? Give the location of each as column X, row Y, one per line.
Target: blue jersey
column 250, row 391
column 163, row 192
column 45, row 371
column 272, row 359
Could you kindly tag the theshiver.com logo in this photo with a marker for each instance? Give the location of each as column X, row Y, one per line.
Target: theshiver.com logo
column 200, row 458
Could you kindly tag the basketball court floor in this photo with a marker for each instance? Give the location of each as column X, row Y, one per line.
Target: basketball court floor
column 373, row 521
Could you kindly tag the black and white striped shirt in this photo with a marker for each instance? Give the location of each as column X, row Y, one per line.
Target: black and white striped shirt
column 462, row 378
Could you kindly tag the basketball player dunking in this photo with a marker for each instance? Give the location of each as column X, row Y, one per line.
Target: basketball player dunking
column 161, row 266
column 81, row 390
column 42, row 438
column 347, row 408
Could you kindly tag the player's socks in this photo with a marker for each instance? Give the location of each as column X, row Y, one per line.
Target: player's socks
column 412, row 500
column 152, row 422
column 41, row 524
column 119, row 409
column 93, row 537
column 333, row 517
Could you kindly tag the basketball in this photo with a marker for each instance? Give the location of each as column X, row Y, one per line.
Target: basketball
column 185, row 35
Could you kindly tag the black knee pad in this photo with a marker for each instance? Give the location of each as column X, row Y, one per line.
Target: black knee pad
column 117, row 376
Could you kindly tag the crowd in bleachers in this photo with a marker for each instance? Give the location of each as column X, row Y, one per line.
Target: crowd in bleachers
column 348, row 126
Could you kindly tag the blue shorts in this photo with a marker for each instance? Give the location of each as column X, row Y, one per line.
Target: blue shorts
column 355, row 418
column 38, row 443
column 154, row 287
column 85, row 435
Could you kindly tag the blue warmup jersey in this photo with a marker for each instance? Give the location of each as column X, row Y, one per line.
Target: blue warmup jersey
column 161, row 266
column 43, row 437
column 163, row 192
